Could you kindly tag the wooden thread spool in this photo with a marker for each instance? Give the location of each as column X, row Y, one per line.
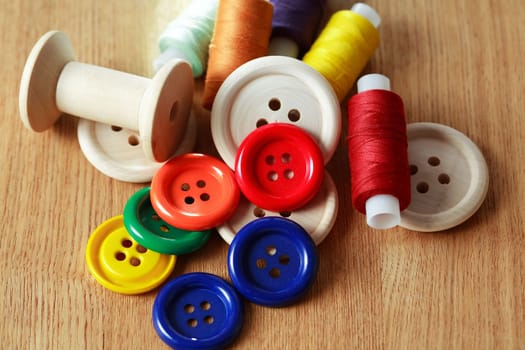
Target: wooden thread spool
column 53, row 84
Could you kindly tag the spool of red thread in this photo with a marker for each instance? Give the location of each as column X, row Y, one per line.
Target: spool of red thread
column 378, row 152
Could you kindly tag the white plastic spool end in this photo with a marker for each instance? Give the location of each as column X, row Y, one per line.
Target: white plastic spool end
column 382, row 211
column 373, row 82
column 367, row 12
column 281, row 46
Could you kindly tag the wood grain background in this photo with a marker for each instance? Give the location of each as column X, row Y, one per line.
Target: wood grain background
column 458, row 63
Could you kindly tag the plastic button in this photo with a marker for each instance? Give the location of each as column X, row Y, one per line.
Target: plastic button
column 272, row 261
column 279, row 167
column 149, row 230
column 117, row 152
column 274, row 89
column 317, row 217
column 449, row 178
column 122, row 265
column 194, row 192
column 197, row 311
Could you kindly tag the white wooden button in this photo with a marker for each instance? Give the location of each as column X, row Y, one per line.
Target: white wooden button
column 53, row 84
column 116, row 151
column 274, row 89
column 317, row 217
column 449, row 178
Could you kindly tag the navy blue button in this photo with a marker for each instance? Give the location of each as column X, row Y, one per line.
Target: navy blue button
column 272, row 261
column 197, row 311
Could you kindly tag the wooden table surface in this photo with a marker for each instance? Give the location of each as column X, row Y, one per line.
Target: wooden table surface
column 459, row 63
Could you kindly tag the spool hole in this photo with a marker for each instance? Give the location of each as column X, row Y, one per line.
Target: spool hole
column 174, row 111
column 133, row 140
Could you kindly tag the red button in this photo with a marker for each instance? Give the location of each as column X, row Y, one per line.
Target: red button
column 279, row 167
column 194, row 192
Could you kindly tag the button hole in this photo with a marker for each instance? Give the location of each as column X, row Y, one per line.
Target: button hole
column 192, row 323
column 185, row 187
column 205, row 305
column 126, row 243
column 422, row 187
column 189, row 200
column 413, row 169
column 261, row 122
column 164, row 228
column 273, row 176
column 274, row 104
column 444, row 179
column 270, row 160
column 116, row 128
column 434, row 161
column 294, row 115
column 208, row 319
column 275, row 272
column 201, row 184
column 120, row 256
column 284, row 259
column 260, row 263
column 189, row 308
column 285, row 214
column 134, row 261
column 289, row 174
column 258, row 212
column 271, row 250
column 141, row 249
column 205, row 197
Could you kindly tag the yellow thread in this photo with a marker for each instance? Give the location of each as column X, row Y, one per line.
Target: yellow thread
column 342, row 50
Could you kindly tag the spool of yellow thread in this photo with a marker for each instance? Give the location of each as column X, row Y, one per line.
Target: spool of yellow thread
column 344, row 47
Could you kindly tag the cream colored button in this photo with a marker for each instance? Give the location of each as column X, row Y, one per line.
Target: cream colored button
column 317, row 217
column 53, row 84
column 274, row 89
column 116, row 151
column 449, row 178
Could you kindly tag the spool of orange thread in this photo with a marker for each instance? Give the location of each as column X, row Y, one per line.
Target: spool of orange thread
column 241, row 33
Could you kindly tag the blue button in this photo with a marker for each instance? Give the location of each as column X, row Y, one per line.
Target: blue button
column 272, row 261
column 197, row 311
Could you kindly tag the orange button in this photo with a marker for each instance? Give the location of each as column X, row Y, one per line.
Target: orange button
column 194, row 192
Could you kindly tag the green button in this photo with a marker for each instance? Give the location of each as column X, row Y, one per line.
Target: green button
column 149, row 230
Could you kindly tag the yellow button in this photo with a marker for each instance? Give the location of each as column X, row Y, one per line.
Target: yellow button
column 122, row 265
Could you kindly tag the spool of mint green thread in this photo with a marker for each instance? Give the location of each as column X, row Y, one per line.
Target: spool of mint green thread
column 188, row 36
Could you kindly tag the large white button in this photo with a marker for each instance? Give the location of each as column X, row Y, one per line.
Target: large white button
column 117, row 153
column 449, row 178
column 317, row 217
column 274, row 89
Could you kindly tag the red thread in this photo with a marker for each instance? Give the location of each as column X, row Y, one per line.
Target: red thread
column 378, row 147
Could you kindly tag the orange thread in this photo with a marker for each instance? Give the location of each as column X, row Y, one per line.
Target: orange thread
column 242, row 32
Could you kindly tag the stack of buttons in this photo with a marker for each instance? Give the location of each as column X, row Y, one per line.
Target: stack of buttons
column 276, row 122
